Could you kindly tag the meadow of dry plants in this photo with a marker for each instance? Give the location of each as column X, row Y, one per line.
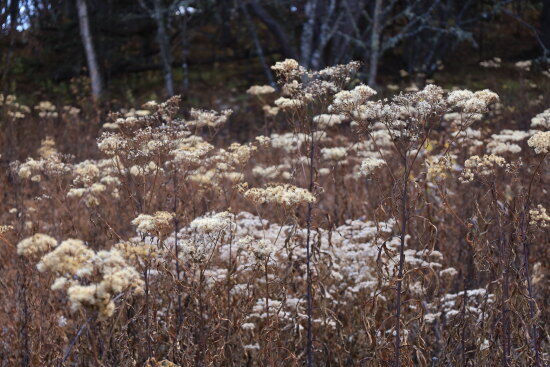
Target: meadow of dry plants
column 355, row 231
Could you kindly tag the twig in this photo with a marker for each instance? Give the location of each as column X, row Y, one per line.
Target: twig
column 73, row 341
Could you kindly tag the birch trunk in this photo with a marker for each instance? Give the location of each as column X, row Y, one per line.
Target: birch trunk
column 184, row 53
column 164, row 47
column 91, row 58
column 375, row 43
column 308, row 33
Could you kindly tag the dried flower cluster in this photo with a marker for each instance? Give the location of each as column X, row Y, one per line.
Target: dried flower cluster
column 285, row 195
column 540, row 142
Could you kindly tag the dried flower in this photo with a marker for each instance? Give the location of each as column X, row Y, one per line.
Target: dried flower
column 67, row 258
column 495, row 62
column 156, row 224
column 285, row 195
column 540, row 142
column 287, row 69
column 542, row 120
column 370, row 164
column 334, row 154
column 257, row 90
column 202, row 118
column 325, row 121
column 347, row 101
column 212, row 223
column 483, row 166
column 539, row 217
column 287, row 103
column 36, row 245
column 524, row 65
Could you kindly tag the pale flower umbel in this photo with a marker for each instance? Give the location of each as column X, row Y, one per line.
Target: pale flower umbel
column 36, row 245
column 285, row 195
column 539, row 217
column 540, row 142
column 257, row 90
column 370, row 164
column 155, row 224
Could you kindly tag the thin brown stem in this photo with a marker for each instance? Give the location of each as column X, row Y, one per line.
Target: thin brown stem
column 309, row 347
column 404, row 219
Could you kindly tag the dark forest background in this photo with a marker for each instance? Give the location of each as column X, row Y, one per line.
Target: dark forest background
column 129, row 51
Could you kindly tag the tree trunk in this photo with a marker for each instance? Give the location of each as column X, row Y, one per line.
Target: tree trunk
column 308, row 33
column 325, row 33
column 275, row 28
column 164, row 47
column 545, row 24
column 340, row 52
column 13, row 13
column 375, row 43
column 257, row 44
column 91, row 58
column 184, row 53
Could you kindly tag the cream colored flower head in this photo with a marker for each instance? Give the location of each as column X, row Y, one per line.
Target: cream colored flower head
column 540, row 142
column 36, row 245
column 285, row 195
column 159, row 223
column 257, row 90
